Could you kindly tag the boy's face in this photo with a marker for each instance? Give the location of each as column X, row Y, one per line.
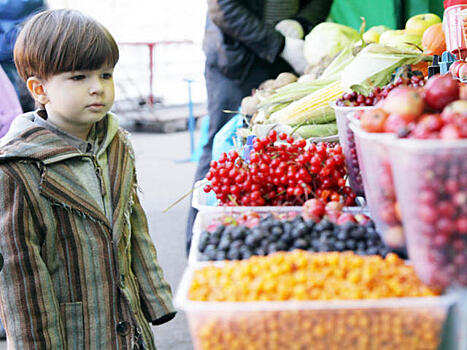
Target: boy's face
column 74, row 101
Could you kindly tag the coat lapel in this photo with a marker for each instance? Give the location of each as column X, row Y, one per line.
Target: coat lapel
column 59, row 185
column 122, row 182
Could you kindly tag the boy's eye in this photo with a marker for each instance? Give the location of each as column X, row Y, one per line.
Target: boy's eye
column 78, row 77
column 106, row 75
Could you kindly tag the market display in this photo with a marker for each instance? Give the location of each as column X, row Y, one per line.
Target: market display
column 326, row 276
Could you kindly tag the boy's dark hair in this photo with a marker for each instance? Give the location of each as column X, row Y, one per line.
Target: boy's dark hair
column 58, row 41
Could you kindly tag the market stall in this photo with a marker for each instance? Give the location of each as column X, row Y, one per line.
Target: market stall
column 338, row 220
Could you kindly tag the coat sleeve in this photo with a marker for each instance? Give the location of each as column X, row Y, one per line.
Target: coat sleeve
column 28, row 304
column 241, row 24
column 155, row 292
column 313, row 13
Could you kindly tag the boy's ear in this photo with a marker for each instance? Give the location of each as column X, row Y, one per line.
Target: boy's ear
column 37, row 89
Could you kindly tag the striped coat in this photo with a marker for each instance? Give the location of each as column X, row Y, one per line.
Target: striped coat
column 74, row 277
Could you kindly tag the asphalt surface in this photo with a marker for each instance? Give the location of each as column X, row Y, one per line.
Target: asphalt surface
column 163, row 179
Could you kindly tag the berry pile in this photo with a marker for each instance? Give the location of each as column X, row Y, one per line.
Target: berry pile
column 229, row 242
column 285, row 174
column 355, row 99
column 300, row 275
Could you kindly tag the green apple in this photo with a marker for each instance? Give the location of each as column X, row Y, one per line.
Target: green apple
column 373, row 34
column 419, row 23
column 401, row 40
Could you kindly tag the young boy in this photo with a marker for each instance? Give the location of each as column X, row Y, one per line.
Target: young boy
column 80, row 268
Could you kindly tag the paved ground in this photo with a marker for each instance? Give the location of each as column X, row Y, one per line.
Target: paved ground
column 163, row 180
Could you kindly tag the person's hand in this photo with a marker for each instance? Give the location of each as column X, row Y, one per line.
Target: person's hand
column 293, row 54
column 290, row 29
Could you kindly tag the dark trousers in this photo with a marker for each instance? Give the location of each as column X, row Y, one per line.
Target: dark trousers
column 226, row 94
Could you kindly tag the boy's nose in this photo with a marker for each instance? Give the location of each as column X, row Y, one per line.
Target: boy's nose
column 96, row 88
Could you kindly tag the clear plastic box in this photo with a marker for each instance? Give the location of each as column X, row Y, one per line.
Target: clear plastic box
column 431, row 184
column 454, row 27
column 402, row 323
column 374, row 161
column 347, row 141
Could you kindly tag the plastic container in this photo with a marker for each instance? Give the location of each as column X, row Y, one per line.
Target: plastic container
column 402, row 323
column 373, row 157
column 347, row 141
column 208, row 220
column 455, row 26
column 431, row 185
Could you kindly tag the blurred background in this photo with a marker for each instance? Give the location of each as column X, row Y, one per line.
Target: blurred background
column 172, row 31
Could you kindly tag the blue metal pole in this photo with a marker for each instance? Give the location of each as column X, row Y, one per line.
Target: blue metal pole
column 191, row 118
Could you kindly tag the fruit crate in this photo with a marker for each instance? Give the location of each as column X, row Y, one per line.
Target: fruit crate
column 431, row 185
column 402, row 323
column 204, row 221
column 373, row 158
column 347, row 141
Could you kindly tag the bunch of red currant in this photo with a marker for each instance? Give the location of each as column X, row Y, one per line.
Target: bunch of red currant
column 284, row 174
column 355, row 99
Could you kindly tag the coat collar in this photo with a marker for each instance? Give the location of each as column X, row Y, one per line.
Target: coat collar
column 31, row 143
column 28, row 140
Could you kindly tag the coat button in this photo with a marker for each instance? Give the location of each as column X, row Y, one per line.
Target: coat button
column 123, row 328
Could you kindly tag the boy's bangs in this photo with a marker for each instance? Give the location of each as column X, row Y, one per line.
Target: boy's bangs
column 99, row 51
column 94, row 49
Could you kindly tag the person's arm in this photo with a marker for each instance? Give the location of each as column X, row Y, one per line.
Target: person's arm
column 155, row 292
column 313, row 13
column 13, row 13
column 7, row 43
column 241, row 24
column 28, row 303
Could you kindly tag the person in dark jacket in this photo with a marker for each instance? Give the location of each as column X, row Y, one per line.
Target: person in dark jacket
column 245, row 44
column 13, row 13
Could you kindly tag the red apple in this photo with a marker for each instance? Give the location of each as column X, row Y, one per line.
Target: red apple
column 453, row 110
column 431, row 122
column 454, row 68
column 440, row 90
column 463, row 71
column 404, row 100
column 461, row 123
column 362, row 219
column 463, row 91
column 333, row 206
column 395, row 123
column 450, row 132
column 373, row 120
column 313, row 209
column 345, row 217
column 428, row 127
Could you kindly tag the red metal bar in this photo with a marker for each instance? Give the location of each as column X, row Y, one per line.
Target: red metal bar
column 151, row 45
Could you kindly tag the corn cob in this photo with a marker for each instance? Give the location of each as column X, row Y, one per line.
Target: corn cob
column 295, row 91
column 298, row 111
column 317, row 130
